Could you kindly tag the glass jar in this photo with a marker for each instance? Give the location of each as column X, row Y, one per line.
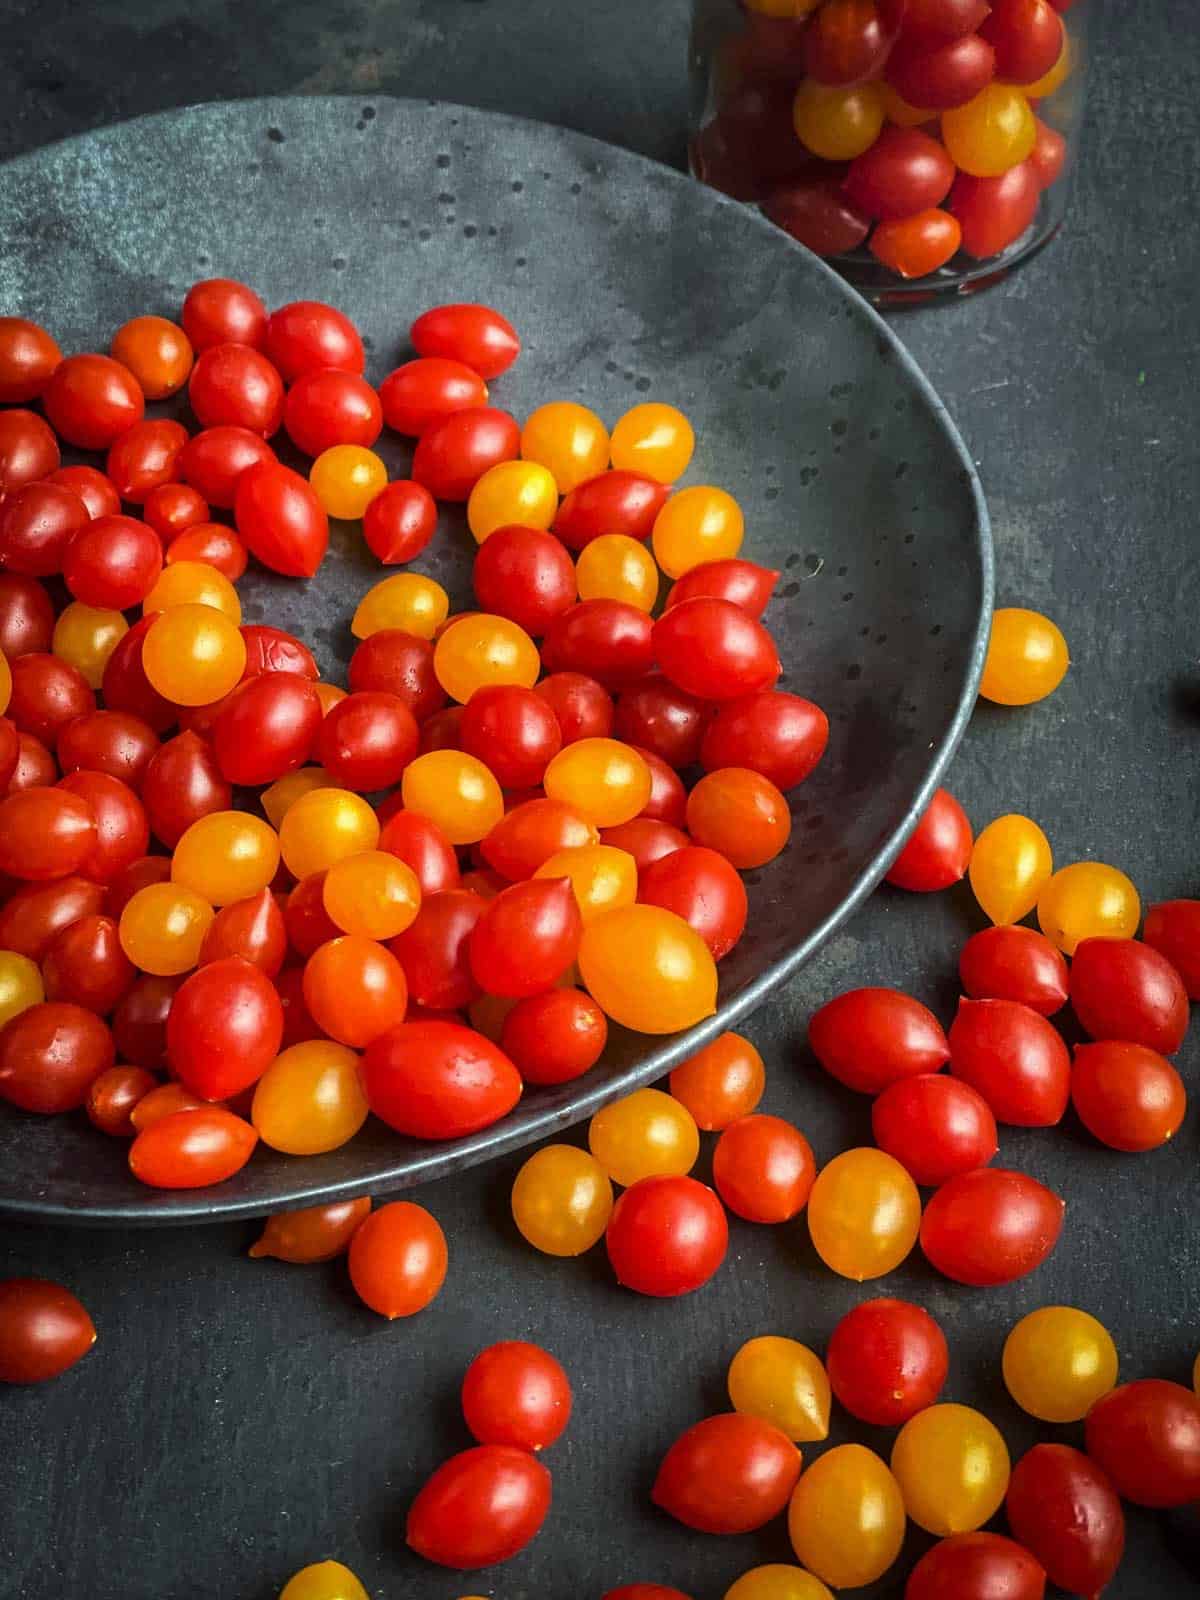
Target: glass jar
column 809, row 109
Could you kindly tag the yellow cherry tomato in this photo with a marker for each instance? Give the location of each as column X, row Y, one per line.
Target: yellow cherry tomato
column 373, row 893
column 648, row 970
column 5, row 683
column 193, row 654
column 616, row 567
column 846, row 1518
column 1088, row 900
column 606, row 781
column 346, row 478
column 86, row 636
column 654, row 439
column 991, row 133
column 1011, row 863
column 20, row 985
column 1026, row 660
column 279, row 797
column 645, row 1135
column 952, row 1467
column 1058, row 1362
column 324, row 1580
column 864, row 1214
column 838, row 123
column 482, row 650
column 562, row 1200
column 696, row 525
column 783, row 1382
column 226, row 856
column 568, row 440
column 405, row 600
column 322, row 827
column 1055, row 78
column 603, row 877
column 309, row 1099
column 162, row 928
column 522, row 492
column 897, row 110
column 777, row 1582
column 454, row 790
column 193, row 583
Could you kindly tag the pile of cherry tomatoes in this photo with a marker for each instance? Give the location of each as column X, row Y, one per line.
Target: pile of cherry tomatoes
column 910, row 126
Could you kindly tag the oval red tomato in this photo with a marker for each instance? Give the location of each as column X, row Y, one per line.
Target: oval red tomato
column 476, row 335
column 515, row 1393
column 281, row 520
column 480, row 1507
column 1015, row 1058
column 666, row 1236
column 224, row 1028
column 438, row 1080
column 44, row 1330
column 935, row 1126
column 731, row 1473
column 869, row 1038
column 990, row 1226
column 1146, row 1437
column 1123, row 989
column 1014, row 963
column 938, row 850
column 887, row 1360
column 1066, row 1513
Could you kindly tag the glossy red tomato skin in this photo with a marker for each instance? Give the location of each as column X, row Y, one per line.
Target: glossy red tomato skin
column 740, row 582
column 526, row 575
column 192, row 1149
column 1064, row 1510
column 645, row 1591
column 183, row 783
column 115, row 742
column 938, row 849
column 33, row 915
column 700, row 886
column 35, row 765
column 253, row 929
column 113, row 1096
column 271, row 649
column 171, row 509
column 46, row 694
column 28, row 450
column 714, row 650
column 1014, row 963
column 308, row 924
column 92, row 399
column 214, row 545
column 122, row 828
column 44, row 1330
column 554, row 1037
column 44, row 834
column 28, row 357
column 728, row 1474
column 915, row 246
column 870, row 1038
column 123, row 885
column 1049, row 154
column 480, row 1507
column 421, row 392
column 1126, row 1095
column 476, row 335
column 438, row 1080
column 516, row 1394
column 904, row 171
column 145, row 457
column 990, row 1226
column 50, row 1054
column 398, row 663
column 526, row 938
column 1123, row 989
column 92, row 487
column 993, row 212
column 1015, row 1058
column 125, row 686
column 1146, row 1437
column 935, row 1126
column 399, row 522
column 113, row 562
column 608, row 640
column 37, row 525
column 512, row 731
column 26, row 616
column 846, row 42
column 268, row 726
column 887, row 1360
column 85, row 966
column 614, row 502
column 530, row 834
column 668, row 797
column 584, row 708
column 223, row 311
column 1173, row 929
column 941, row 75
column 454, row 453
column 666, row 1236
column 307, row 335
column 976, row 1566
column 763, row 1168
column 657, row 716
column 1027, row 37
column 281, row 521
column 213, row 461
column 367, row 740
column 646, row 839
column 932, row 20
column 779, row 735
column 420, row 843
column 139, row 1023
column 224, row 1028
column 327, row 407
column 10, row 752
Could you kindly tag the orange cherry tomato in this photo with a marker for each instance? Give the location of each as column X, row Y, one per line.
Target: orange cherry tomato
column 398, row 1259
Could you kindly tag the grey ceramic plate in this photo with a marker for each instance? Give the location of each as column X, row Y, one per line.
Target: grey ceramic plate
column 627, row 281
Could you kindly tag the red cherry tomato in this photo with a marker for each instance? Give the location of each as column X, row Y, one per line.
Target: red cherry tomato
column 316, row 1233
column 728, row 1474
column 976, row 1566
column 92, row 487
column 191, row 1149
column 480, row 1507
column 51, row 1054
column 703, row 888
column 780, row 736
column 1027, row 37
column 740, row 582
column 268, row 726
column 941, row 75
column 1127, row 1095
column 224, row 1028
column 253, row 929
column 274, row 650
column 476, row 335
column 35, row 766
column 1049, row 154
column 37, row 524
column 90, row 400
column 516, row 1394
column 646, row 839
column 526, row 938
column 614, row 502
column 1012, row 963
column 846, row 42
column 123, row 885
column 1173, row 929
column 668, row 797
column 887, row 1360
column 113, row 562
column 122, row 828
column 139, row 1024
column 993, row 212
column 554, row 1037
column 1122, row 989
column 1066, row 1513
column 145, row 457
column 438, row 1080
column 10, row 752
column 281, row 520
column 108, row 741
column 816, row 212
column 398, row 1259
column 934, row 20
column 584, row 708
column 714, row 650
column 662, row 721
column 398, row 663
column 1146, row 1437
column 421, row 392
column 916, row 246
column 85, row 966
column 45, row 833
column 327, row 406
column 183, row 783
column 223, row 311
column 666, row 1236
column 763, row 1168
column 525, row 575
column 28, row 358
column 113, row 1096
column 420, row 843
column 214, row 460
column 37, row 912
column 608, row 640
column 512, row 731
column 990, row 1226
column 869, row 1038
column 399, row 522
column 26, row 616
column 28, row 450
column 367, row 740
column 530, row 834
column 308, row 924
column 935, row 1126
column 44, row 1330
column 434, row 949
column 125, row 686
column 904, row 171
column 307, row 336
column 645, row 1591
column 214, row 545
column 455, row 452
column 938, row 849
column 1014, row 1058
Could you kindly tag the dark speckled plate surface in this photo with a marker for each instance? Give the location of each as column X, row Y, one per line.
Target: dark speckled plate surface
column 627, row 282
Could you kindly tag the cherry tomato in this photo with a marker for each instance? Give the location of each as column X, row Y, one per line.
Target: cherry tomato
column 455, row 451
column 163, row 926
column 192, row 1149
column 281, row 520
column 122, row 831
column 952, row 1466
column 125, row 685
column 615, row 567
column 136, row 875
column 47, row 694
column 398, row 1259
column 1087, row 900
column 904, row 172
column 35, row 766
column 933, row 20
column 782, row 1383
column 512, row 731
column 607, row 640
column 307, row 336
column 28, row 358
column 26, row 616
column 529, row 835
column 20, row 985
column 28, row 450
column 193, row 654
column 85, row 637
column 1173, row 929
column 113, row 1096
column 645, row 840
column 646, row 1134
column 1048, row 157
column 658, row 717
column 1014, row 1058
column 454, row 790
column 742, row 583
column 165, row 1101
column 474, row 335
column 214, row 460
column 1064, row 1509
column 584, row 708
column 398, row 663
column 322, row 827
column 524, row 574
column 1010, row 865
column 704, row 889
column 602, row 877
column 918, row 245
column 1016, row 964
column 935, row 1126
column 51, row 1054
column 569, row 441
column 1122, row 989
column 526, row 938
column 652, row 440
column 739, row 814
column 1027, row 658
column 846, row 1518
column 355, row 989
column 990, row 1226
column 869, row 1038
column 36, row 912
column 434, row 949
column 399, row 521
column 113, row 561
column 373, row 895
column 602, row 780
column 1058, row 1362
column 480, row 1507
column 224, row 1028
column 92, row 487
column 720, row 1083
column 777, row 1582
column 37, row 525
column 940, row 75
column 482, row 651
column 976, row 1566
column 1146, row 1437
column 562, row 1200
column 223, row 311
column 666, row 1236
column 346, row 478
column 648, row 970
column 778, row 736
column 994, row 132
column 328, row 407
column 213, row 544
column 421, row 392
column 835, row 122
column 323, row 1580
column 846, row 42
column 407, row 601
column 554, row 1037
column 317, row 1233
column 714, row 650
column 697, row 525
column 438, row 1080
column 44, row 1330
column 864, row 1214
column 728, row 1474
column 90, row 400
column 938, row 850
column 511, row 493
column 887, row 1360
column 763, row 1169
column 309, row 1100
column 516, row 1394
column 1127, row 1095
column 422, row 845
column 616, row 502
column 308, row 923
column 227, row 855
column 1027, row 37
column 252, row 929
column 367, row 740
column 297, row 1024
column 45, row 833
column 157, row 352
column 85, row 966
column 145, row 457
column 668, row 797
column 139, row 1024
column 817, row 213
column 183, row 783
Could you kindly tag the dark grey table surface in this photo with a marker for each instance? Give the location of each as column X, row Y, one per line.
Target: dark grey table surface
column 238, row 1419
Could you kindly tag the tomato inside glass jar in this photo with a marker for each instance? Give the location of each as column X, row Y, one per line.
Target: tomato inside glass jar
column 921, row 145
